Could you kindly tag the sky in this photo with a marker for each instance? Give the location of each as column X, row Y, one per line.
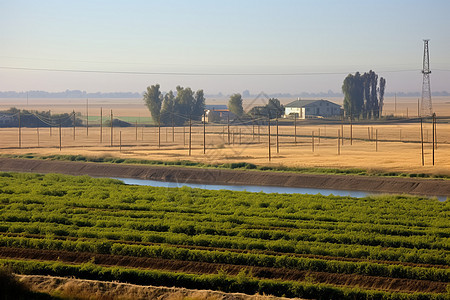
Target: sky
column 275, row 46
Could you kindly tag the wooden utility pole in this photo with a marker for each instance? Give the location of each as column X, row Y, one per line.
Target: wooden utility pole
column 101, row 125
column 435, row 132
column 339, row 142
column 351, row 131
column 173, row 129
column 20, row 132
column 87, row 117
column 73, row 124
column 295, row 128
column 190, row 135
column 204, row 132
column 136, row 129
column 376, row 140
column 342, row 128
column 240, row 136
column 37, row 132
column 278, row 145
column 159, row 133
column 51, row 122
column 312, row 141
column 268, row 128
column 253, row 128
column 421, row 140
column 120, row 141
column 111, row 128
column 259, row 132
column 228, row 127
column 184, row 135
column 60, row 146
column 318, row 136
column 433, row 122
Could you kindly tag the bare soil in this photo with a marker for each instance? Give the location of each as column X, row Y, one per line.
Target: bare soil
column 430, row 187
column 367, row 282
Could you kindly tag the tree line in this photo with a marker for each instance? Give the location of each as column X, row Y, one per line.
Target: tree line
column 363, row 95
column 172, row 108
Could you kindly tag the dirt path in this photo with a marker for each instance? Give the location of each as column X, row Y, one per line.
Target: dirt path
column 430, row 187
column 367, row 282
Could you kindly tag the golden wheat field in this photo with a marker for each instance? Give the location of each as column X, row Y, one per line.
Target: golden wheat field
column 379, row 146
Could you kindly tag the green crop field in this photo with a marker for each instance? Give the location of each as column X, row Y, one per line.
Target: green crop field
column 310, row 246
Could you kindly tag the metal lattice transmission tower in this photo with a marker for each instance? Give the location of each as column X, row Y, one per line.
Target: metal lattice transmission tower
column 427, row 106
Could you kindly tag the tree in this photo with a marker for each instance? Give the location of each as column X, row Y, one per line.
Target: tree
column 353, row 94
column 381, row 94
column 165, row 109
column 276, row 110
column 273, row 109
column 361, row 95
column 235, row 105
column 153, row 99
column 168, row 108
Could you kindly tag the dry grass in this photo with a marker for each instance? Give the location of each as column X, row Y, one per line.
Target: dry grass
column 100, row 290
column 398, row 147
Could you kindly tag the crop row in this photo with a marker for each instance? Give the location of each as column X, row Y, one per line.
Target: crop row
column 243, row 282
column 429, row 256
column 192, row 228
column 227, row 257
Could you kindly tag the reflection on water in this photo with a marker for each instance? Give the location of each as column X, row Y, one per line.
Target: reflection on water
column 253, row 188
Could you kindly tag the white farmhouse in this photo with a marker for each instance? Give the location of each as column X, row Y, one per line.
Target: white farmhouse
column 312, row 109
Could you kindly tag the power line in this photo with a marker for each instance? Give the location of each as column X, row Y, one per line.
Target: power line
column 194, row 73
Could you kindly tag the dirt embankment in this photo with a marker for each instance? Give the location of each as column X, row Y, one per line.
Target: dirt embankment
column 101, row 290
column 430, row 187
column 351, row 280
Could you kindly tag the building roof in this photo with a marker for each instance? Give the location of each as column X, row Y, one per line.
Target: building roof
column 303, row 103
column 215, row 106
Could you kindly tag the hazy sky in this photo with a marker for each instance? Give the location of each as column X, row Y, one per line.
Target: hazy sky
column 314, row 43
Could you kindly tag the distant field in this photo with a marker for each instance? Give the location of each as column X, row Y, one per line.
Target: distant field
column 398, row 147
column 379, row 247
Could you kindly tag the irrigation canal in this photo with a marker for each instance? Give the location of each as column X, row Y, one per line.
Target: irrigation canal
column 254, row 188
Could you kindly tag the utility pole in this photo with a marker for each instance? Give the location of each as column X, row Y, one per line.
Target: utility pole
column 421, row 139
column 278, row 147
column 111, row 128
column 204, row 132
column 295, row 128
column 268, row 128
column 190, row 135
column 101, row 125
column 60, row 135
column 87, row 117
column 427, row 107
column 228, row 127
column 20, row 132
column 73, row 124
